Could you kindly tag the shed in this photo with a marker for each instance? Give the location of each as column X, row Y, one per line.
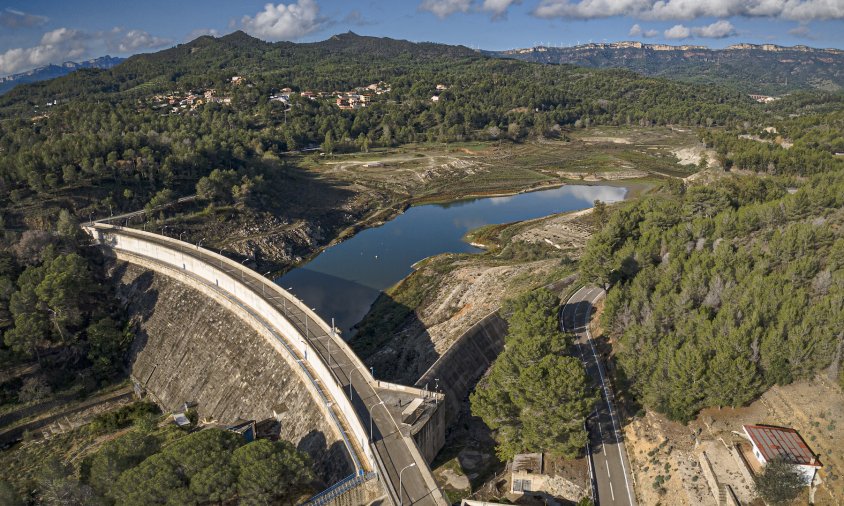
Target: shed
column 770, row 442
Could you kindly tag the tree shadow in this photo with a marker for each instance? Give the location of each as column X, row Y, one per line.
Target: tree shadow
column 394, row 342
column 331, row 464
column 288, row 195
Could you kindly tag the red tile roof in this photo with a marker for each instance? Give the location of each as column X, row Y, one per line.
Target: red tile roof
column 781, row 442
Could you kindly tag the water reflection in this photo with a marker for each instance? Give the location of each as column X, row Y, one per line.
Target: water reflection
column 344, row 280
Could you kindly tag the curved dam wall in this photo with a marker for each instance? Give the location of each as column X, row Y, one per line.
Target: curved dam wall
column 325, row 366
column 230, row 291
column 190, row 348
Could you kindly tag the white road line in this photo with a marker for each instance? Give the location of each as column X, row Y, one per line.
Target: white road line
column 612, row 494
column 607, row 462
column 609, row 403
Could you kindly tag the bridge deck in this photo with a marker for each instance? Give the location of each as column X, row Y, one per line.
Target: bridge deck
column 388, row 441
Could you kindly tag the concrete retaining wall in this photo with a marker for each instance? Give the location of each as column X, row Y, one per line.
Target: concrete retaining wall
column 458, row 370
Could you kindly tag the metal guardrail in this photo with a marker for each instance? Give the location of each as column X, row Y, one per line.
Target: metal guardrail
column 341, row 487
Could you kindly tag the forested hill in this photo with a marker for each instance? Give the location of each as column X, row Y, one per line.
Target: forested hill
column 118, row 137
column 332, row 64
column 719, row 291
column 757, row 69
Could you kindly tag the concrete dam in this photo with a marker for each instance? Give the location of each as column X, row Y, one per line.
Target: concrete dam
column 278, row 360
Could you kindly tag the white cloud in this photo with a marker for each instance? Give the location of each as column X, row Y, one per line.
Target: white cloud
column 63, row 44
column 717, row 30
column 11, row 18
column 133, row 40
column 284, row 21
column 199, row 32
column 638, row 31
column 445, row 8
column 678, row 32
column 498, row 8
column 800, row 10
column 56, row 46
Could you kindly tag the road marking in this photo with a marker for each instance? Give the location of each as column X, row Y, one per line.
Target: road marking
column 607, row 462
column 609, row 403
column 612, row 494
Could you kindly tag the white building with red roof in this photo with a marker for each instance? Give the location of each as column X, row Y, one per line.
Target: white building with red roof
column 771, row 442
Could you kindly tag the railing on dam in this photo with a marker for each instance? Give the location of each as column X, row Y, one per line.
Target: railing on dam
column 324, row 361
column 338, row 489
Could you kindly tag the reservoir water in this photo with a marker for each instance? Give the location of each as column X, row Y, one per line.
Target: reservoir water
column 344, row 280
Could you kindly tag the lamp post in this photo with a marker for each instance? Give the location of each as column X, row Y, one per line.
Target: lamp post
column 371, row 409
column 401, row 497
column 241, row 270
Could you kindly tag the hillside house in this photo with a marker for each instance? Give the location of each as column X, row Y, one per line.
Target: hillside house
column 771, row 442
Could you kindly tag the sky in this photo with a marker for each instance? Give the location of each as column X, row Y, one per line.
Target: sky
column 34, row 33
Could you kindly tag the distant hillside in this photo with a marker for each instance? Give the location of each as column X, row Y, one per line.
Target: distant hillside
column 210, row 61
column 762, row 69
column 53, row 71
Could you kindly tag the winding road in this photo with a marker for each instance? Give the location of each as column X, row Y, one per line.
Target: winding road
column 610, row 467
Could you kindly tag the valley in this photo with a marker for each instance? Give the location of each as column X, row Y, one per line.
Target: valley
column 221, row 282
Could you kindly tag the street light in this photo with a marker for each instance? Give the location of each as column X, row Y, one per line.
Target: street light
column 371, row 409
column 241, row 270
column 401, row 497
column 199, row 244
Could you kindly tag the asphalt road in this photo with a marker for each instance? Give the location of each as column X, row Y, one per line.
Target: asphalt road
column 386, row 433
column 610, row 467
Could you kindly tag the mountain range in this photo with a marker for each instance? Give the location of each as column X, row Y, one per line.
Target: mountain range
column 758, row 69
column 52, row 71
column 764, row 69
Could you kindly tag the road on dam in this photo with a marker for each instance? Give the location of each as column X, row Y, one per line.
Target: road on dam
column 611, row 469
column 407, row 478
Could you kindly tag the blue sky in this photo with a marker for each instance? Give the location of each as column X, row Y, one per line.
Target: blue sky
column 37, row 32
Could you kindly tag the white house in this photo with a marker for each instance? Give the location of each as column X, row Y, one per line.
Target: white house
column 780, row 442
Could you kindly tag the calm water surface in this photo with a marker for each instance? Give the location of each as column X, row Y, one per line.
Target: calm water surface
column 345, row 279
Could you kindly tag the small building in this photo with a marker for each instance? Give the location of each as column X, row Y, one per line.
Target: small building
column 526, row 473
column 245, row 428
column 236, row 80
column 441, row 87
column 771, row 442
column 435, row 98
